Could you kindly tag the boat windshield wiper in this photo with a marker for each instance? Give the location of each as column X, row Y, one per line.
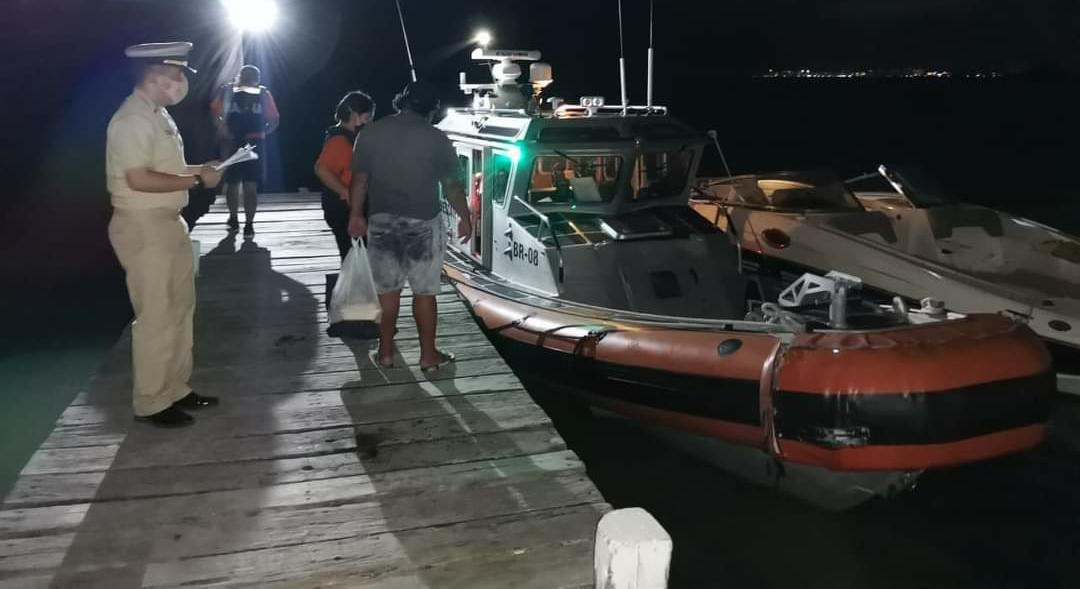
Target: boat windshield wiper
column 572, row 160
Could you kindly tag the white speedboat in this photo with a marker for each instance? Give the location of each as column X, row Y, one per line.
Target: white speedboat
column 903, row 240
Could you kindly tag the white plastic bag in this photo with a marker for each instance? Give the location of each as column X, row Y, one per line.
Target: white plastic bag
column 354, row 298
column 196, row 253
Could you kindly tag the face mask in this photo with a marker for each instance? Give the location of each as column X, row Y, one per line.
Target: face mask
column 173, row 90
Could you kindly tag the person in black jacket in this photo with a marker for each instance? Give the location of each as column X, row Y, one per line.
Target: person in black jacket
column 334, row 166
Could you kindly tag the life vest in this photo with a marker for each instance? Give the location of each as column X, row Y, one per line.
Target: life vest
column 350, row 136
column 339, row 131
column 476, row 194
column 244, row 112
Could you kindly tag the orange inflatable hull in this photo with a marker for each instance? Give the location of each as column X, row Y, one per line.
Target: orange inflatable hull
column 898, row 399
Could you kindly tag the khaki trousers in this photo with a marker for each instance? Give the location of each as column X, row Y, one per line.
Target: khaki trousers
column 155, row 251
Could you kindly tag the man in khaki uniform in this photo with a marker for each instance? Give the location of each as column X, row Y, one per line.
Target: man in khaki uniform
column 148, row 181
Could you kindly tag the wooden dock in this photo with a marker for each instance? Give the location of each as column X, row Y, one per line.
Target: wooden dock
column 319, row 468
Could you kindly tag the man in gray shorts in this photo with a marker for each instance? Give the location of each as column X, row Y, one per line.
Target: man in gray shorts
column 399, row 162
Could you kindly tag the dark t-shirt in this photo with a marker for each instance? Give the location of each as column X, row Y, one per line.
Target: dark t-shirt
column 405, row 158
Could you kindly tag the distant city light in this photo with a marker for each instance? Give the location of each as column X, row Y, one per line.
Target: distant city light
column 913, row 72
column 251, row 15
column 482, row 38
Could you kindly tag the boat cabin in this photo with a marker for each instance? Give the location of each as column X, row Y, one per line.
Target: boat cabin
column 586, row 202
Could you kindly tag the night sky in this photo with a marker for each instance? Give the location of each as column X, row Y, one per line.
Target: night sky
column 62, row 73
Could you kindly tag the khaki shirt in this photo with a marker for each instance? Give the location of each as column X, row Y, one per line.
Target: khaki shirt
column 143, row 135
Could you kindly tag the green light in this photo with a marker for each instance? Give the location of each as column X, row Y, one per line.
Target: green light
column 515, row 153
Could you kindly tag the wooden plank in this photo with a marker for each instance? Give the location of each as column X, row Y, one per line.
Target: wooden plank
column 119, row 359
column 209, row 523
column 299, row 299
column 287, row 377
column 351, row 356
column 544, row 549
column 309, row 274
column 269, row 389
column 107, row 516
column 81, row 487
column 285, row 318
column 288, row 266
column 216, row 278
column 307, row 215
column 537, row 548
column 209, row 443
column 277, row 343
column 291, row 410
column 541, row 549
column 314, row 280
column 309, row 199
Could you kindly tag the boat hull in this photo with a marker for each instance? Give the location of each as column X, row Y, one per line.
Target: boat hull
column 848, row 411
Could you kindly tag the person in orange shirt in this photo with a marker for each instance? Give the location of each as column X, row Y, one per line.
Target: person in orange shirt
column 245, row 113
column 334, row 166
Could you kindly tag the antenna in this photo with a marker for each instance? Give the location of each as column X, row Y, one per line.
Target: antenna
column 622, row 62
column 716, row 142
column 648, row 88
column 408, row 52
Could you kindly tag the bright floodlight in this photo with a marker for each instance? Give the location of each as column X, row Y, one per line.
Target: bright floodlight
column 482, row 38
column 251, row 15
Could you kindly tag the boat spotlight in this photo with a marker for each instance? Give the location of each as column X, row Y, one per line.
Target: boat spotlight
column 482, row 38
column 251, row 15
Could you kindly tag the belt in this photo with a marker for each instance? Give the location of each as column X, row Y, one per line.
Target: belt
column 161, row 212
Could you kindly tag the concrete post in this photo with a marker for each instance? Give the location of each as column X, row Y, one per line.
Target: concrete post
column 633, row 551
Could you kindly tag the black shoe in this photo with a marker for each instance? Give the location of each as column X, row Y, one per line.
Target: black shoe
column 233, row 223
column 249, row 230
column 196, row 401
column 171, row 417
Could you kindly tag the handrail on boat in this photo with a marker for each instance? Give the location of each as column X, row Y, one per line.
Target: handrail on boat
column 544, row 220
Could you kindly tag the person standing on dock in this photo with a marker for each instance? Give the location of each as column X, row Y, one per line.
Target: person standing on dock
column 399, row 163
column 148, row 181
column 245, row 113
column 334, row 166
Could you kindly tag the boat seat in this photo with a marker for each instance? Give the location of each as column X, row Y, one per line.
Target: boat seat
column 870, row 224
column 798, row 198
column 748, row 191
column 944, row 220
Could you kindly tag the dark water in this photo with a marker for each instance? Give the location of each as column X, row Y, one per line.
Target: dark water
column 53, row 338
column 1012, row 522
column 1008, row 523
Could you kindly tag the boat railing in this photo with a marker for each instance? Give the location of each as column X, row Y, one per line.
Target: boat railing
column 574, row 111
column 544, row 220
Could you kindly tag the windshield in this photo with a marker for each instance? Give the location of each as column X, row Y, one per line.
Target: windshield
column 920, row 188
column 781, row 192
column 660, row 174
column 569, row 178
column 572, row 179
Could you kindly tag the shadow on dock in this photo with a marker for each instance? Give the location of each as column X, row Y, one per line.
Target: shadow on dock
column 318, row 468
column 158, row 492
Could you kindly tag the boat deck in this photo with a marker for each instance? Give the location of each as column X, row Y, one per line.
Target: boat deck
column 319, row 468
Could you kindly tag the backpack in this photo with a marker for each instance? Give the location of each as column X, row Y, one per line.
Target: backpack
column 244, row 112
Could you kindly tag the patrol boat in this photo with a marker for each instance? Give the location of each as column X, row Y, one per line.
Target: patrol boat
column 588, row 265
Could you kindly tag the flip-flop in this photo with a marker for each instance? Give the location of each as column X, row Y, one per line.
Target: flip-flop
column 376, row 360
column 444, row 359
